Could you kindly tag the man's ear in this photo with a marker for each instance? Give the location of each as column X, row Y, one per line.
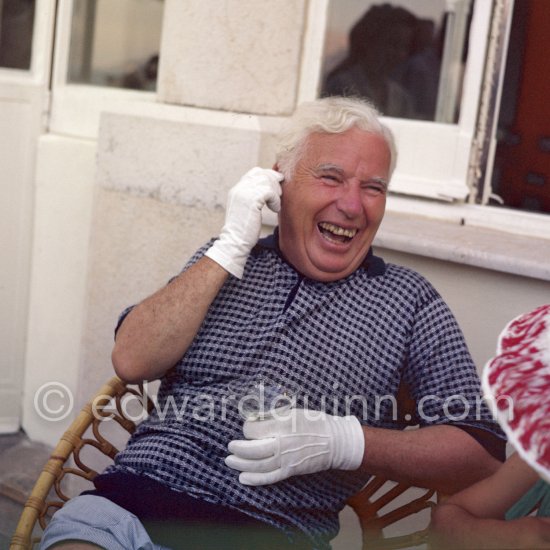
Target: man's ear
column 276, row 168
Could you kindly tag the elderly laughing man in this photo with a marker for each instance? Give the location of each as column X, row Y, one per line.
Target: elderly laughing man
column 311, row 306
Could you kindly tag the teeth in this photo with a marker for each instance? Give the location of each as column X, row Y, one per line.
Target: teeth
column 336, row 230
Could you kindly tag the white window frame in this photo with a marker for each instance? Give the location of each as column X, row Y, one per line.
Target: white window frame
column 76, row 108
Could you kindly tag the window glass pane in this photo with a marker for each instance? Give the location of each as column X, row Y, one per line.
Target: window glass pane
column 115, row 43
column 407, row 56
column 521, row 170
column 16, row 28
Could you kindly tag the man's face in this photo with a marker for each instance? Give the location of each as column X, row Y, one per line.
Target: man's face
column 333, row 205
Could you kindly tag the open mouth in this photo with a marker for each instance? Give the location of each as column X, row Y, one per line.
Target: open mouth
column 335, row 233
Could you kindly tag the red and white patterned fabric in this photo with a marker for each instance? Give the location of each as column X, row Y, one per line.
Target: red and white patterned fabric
column 517, row 385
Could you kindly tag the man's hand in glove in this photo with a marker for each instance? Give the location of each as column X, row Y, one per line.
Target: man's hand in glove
column 243, row 220
column 300, row 442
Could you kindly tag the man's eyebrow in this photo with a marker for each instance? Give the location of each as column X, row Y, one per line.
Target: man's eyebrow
column 329, row 167
column 378, row 180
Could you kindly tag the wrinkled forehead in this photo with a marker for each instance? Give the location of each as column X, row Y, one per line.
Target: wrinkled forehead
column 354, row 146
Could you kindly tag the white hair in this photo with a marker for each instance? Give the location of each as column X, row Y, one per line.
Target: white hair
column 331, row 115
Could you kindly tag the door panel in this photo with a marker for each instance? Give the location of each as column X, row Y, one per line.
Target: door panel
column 23, row 103
column 15, row 206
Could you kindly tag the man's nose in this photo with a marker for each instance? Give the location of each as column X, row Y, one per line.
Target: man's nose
column 349, row 202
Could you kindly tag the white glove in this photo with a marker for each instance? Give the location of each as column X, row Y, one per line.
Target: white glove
column 300, row 442
column 243, row 219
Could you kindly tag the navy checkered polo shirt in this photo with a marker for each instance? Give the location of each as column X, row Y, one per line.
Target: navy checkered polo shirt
column 345, row 344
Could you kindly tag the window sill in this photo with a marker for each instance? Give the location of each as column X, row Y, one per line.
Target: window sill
column 517, row 254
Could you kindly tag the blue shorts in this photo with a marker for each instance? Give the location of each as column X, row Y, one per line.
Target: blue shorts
column 97, row 520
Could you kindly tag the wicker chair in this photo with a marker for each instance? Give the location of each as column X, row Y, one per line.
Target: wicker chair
column 87, row 431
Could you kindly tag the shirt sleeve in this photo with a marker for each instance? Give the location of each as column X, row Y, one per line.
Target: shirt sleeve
column 443, row 379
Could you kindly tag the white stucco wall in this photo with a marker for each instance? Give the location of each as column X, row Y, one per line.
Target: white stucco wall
column 186, row 162
column 231, row 55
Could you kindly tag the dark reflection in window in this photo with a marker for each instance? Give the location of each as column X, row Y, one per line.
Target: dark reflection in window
column 16, row 28
column 394, row 58
column 115, row 43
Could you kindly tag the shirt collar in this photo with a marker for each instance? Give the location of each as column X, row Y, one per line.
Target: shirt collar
column 373, row 265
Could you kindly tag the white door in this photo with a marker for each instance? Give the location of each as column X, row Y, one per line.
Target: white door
column 26, row 31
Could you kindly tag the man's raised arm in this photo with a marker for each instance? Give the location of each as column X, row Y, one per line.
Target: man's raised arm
column 158, row 331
